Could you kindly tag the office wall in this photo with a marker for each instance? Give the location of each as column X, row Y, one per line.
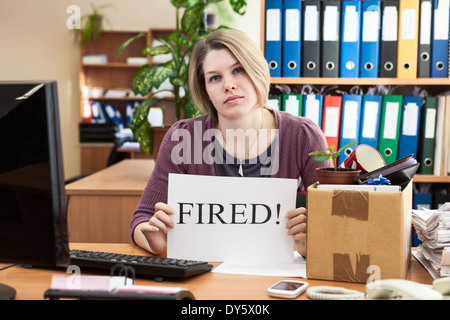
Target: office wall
column 36, row 44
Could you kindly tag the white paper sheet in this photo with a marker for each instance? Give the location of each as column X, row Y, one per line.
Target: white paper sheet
column 297, row 268
column 231, row 219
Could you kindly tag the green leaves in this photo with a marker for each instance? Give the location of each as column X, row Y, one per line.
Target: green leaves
column 183, row 3
column 129, row 41
column 141, row 84
column 189, row 109
column 155, row 51
column 141, row 127
column 179, row 44
column 239, row 6
column 192, row 19
column 322, row 156
column 149, row 77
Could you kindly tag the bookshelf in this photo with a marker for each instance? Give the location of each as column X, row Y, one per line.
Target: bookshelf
column 114, row 73
column 434, row 86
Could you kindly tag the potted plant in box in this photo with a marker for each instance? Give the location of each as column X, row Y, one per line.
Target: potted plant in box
column 334, row 175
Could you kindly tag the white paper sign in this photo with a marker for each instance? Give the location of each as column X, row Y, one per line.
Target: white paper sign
column 230, row 219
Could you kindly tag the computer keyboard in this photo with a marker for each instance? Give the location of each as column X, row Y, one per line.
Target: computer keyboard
column 156, row 267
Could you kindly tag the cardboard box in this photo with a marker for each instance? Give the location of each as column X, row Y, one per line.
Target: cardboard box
column 354, row 235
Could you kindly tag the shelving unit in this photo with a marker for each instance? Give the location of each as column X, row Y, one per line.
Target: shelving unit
column 115, row 73
column 434, row 86
column 364, row 81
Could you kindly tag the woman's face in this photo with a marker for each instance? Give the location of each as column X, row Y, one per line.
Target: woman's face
column 228, row 85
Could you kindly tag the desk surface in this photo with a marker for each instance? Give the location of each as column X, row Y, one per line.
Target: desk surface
column 31, row 284
column 128, row 177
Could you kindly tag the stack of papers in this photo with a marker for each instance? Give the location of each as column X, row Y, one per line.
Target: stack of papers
column 297, row 268
column 95, row 58
column 137, row 60
column 117, row 93
column 433, row 229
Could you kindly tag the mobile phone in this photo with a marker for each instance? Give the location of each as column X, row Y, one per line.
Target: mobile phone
column 287, row 288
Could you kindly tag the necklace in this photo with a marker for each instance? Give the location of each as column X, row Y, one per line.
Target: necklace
column 241, row 171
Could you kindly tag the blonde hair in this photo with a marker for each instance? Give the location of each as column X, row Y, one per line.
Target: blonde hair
column 244, row 50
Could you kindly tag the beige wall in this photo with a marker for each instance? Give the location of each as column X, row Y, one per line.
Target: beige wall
column 36, row 44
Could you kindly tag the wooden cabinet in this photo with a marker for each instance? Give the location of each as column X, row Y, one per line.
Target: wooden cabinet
column 106, row 77
column 434, row 87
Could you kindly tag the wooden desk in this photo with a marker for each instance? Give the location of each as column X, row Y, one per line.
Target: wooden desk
column 94, row 156
column 32, row 283
column 100, row 206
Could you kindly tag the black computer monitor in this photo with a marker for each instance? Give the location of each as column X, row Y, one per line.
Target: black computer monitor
column 33, row 215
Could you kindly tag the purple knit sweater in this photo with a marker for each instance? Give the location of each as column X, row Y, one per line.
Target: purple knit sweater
column 297, row 136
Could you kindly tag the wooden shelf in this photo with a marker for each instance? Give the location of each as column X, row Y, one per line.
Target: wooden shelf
column 111, row 65
column 428, row 178
column 102, row 98
column 363, row 81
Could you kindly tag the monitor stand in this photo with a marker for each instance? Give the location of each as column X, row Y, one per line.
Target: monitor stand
column 6, row 292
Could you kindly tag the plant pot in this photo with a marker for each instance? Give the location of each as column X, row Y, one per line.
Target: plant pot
column 339, row 176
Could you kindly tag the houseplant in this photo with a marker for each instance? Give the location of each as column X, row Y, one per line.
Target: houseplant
column 190, row 27
column 92, row 24
column 335, row 174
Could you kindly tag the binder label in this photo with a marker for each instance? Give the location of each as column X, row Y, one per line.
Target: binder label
column 430, row 124
column 331, row 24
column 351, row 25
column 425, row 23
column 332, row 122
column 390, row 24
column 391, row 116
column 292, row 23
column 273, row 22
column 410, row 118
column 292, row 104
column 441, row 15
column 350, row 120
column 311, row 24
column 408, row 27
column 274, row 104
column 371, row 113
column 371, row 26
column 312, row 106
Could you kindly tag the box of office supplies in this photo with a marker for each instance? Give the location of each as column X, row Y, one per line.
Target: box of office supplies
column 358, row 235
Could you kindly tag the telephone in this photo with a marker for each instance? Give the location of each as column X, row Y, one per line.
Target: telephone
column 386, row 289
column 406, row 289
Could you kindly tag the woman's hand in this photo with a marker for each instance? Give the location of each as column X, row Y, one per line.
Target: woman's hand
column 297, row 228
column 152, row 235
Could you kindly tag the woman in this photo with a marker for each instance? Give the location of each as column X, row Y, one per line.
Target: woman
column 238, row 136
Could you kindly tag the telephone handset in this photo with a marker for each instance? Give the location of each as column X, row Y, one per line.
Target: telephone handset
column 443, row 286
column 386, row 289
column 405, row 289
